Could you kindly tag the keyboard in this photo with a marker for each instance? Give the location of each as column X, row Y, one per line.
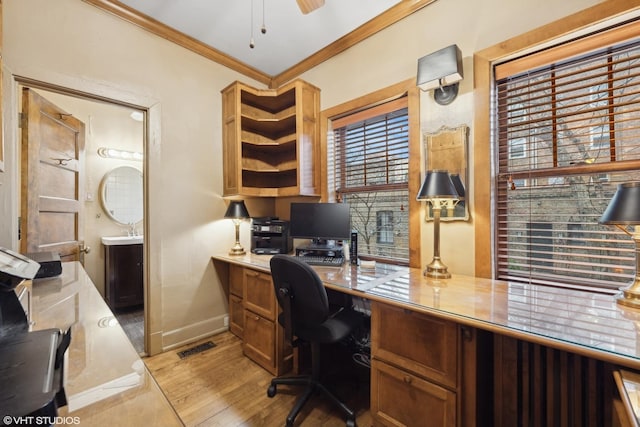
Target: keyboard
column 326, row 261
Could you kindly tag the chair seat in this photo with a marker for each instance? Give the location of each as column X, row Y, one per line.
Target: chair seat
column 334, row 329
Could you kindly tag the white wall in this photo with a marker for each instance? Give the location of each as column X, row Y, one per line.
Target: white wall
column 392, row 56
column 75, row 45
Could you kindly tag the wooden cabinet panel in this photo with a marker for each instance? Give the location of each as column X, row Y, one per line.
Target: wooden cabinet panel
column 259, row 296
column 123, row 276
column 399, row 398
column 236, row 316
column 236, row 277
column 424, row 345
column 260, row 341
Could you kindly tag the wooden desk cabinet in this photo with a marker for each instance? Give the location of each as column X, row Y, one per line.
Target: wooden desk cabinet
column 253, row 311
column 415, row 368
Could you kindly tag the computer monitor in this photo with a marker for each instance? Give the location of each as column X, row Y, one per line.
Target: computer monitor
column 320, row 222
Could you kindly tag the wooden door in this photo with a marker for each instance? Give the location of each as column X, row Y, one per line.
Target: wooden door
column 52, row 179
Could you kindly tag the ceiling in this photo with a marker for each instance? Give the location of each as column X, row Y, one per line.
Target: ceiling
column 224, row 29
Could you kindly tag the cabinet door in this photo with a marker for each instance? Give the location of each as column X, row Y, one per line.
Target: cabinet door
column 399, row 398
column 124, row 275
column 260, row 341
column 422, row 344
column 259, row 296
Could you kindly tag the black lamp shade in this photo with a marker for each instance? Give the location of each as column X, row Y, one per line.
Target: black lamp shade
column 437, row 185
column 459, row 186
column 237, row 210
column 624, row 207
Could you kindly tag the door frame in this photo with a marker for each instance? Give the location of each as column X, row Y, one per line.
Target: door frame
column 152, row 283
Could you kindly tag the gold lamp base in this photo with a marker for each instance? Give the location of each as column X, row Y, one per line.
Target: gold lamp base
column 237, row 250
column 630, row 296
column 437, row 270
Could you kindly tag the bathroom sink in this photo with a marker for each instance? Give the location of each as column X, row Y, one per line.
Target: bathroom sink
column 122, row 240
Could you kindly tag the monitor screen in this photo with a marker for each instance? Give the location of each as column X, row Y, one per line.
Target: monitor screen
column 320, row 221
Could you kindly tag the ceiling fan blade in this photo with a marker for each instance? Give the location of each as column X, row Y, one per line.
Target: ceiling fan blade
column 307, row 6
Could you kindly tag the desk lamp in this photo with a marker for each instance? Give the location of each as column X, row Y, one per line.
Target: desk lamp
column 237, row 211
column 438, row 189
column 624, row 211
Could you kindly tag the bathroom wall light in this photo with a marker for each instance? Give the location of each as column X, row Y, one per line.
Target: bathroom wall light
column 112, row 153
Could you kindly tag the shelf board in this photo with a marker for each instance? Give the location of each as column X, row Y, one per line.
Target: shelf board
column 267, row 116
column 263, row 141
column 261, row 166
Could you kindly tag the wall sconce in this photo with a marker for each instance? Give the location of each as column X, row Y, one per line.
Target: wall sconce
column 438, row 189
column 441, row 71
column 237, row 211
column 622, row 212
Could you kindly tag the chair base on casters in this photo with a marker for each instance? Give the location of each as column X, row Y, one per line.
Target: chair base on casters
column 313, row 384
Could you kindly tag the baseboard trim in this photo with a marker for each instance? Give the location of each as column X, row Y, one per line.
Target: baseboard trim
column 194, row 332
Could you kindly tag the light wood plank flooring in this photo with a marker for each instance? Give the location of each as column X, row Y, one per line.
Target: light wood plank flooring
column 222, row 387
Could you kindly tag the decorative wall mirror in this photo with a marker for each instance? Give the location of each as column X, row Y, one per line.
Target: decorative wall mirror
column 121, row 195
column 446, row 149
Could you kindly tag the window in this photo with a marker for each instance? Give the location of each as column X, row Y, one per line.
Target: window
column 516, row 149
column 371, row 161
column 581, row 107
column 385, row 227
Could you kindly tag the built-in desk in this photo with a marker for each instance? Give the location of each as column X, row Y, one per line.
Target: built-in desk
column 107, row 384
column 524, row 354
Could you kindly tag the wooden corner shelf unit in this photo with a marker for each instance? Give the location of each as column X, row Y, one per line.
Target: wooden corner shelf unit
column 271, row 140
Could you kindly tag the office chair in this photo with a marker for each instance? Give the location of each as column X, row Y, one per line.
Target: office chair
column 306, row 316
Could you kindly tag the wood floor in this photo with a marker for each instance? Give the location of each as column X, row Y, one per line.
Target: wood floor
column 222, row 387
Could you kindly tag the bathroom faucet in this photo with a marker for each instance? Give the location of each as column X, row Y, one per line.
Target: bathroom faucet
column 132, row 230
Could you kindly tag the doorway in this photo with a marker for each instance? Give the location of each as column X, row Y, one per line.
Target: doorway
column 114, row 138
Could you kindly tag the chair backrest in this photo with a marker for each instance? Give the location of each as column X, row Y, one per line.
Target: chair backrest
column 300, row 293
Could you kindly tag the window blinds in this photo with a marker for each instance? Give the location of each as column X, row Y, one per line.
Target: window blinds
column 567, row 132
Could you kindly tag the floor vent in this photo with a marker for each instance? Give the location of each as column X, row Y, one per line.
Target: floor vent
column 195, row 350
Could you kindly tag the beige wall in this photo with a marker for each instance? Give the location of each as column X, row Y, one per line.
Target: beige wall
column 72, row 44
column 392, row 55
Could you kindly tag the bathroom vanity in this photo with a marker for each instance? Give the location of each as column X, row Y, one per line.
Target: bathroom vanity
column 123, row 269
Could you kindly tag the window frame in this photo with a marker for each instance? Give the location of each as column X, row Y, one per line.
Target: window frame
column 406, row 88
column 598, row 16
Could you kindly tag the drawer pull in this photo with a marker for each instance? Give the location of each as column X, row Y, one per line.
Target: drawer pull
column 256, row 318
column 407, row 379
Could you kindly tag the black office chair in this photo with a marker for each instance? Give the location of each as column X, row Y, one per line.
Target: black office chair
column 306, row 316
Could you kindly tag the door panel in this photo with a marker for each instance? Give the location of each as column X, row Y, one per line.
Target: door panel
column 52, row 178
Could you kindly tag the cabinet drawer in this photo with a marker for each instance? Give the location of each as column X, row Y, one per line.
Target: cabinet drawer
column 259, row 295
column 422, row 344
column 236, row 316
column 235, row 280
column 401, row 399
column 260, row 341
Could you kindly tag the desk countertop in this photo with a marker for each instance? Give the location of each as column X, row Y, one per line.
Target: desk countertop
column 106, row 381
column 582, row 322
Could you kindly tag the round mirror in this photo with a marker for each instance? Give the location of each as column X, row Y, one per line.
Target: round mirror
column 121, row 194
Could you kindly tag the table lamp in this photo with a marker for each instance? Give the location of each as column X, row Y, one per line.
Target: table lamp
column 624, row 211
column 438, row 189
column 237, row 211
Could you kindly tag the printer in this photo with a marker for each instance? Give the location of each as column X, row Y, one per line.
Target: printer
column 270, row 235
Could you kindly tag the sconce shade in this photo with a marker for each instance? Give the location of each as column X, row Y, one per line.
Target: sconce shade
column 459, row 186
column 624, row 207
column 440, row 68
column 237, row 210
column 437, row 185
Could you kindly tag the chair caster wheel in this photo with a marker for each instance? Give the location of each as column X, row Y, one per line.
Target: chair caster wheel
column 351, row 423
column 271, row 391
